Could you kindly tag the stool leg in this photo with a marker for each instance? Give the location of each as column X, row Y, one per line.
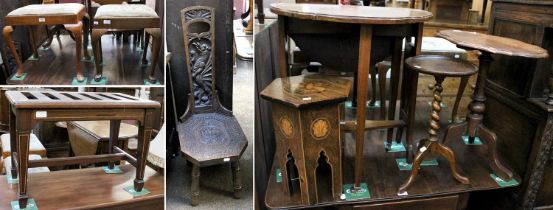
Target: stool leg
column 7, row 32
column 237, row 183
column 23, row 129
column 373, row 85
column 144, row 132
column 86, row 27
column 156, row 36
column 460, row 91
column 31, row 31
column 97, row 50
column 114, row 126
column 76, row 30
column 195, row 188
column 145, row 51
column 382, row 92
column 13, row 142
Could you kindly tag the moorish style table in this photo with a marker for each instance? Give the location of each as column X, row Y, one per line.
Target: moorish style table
column 352, row 39
column 30, row 107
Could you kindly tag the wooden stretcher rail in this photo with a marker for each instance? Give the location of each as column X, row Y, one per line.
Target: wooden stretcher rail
column 76, row 160
column 128, row 157
column 371, row 124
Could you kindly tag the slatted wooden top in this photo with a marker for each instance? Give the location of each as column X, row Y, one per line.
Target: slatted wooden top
column 492, row 44
column 76, row 100
column 305, row 90
column 351, row 14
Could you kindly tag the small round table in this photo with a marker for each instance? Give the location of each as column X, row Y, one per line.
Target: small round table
column 473, row 126
column 341, row 37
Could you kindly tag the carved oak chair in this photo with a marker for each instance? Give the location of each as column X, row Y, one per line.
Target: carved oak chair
column 208, row 133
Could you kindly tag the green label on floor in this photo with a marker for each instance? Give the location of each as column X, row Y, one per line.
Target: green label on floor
column 278, row 175
column 504, row 183
column 22, row 77
column 114, row 170
column 362, row 193
column 134, row 193
column 31, row 205
column 476, row 140
column 404, row 166
column 396, row 147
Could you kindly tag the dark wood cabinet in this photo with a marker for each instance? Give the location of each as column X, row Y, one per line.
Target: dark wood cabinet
column 515, row 109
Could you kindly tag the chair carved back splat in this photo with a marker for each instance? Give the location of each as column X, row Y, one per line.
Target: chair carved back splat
column 199, row 41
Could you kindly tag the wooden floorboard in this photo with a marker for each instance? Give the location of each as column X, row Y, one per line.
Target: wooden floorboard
column 56, row 66
column 383, row 176
column 87, row 189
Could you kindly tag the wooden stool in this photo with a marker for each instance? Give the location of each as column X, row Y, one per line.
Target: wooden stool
column 209, row 133
column 306, row 115
column 439, row 67
column 117, row 17
column 30, row 107
column 72, row 15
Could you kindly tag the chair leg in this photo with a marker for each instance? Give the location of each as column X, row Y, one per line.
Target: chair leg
column 462, row 86
column 373, row 87
column 76, row 29
column 195, row 188
column 237, row 183
column 33, row 41
column 145, row 51
column 97, row 50
column 7, row 32
column 156, row 36
column 86, row 27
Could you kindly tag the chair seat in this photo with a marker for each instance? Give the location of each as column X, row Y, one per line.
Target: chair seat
column 439, row 65
column 35, row 146
column 111, row 11
column 47, row 10
column 8, row 165
column 211, row 138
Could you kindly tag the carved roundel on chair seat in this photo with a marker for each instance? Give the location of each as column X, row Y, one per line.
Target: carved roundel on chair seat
column 211, row 136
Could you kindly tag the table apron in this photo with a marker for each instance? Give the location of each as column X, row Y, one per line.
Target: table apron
column 298, row 26
column 86, row 115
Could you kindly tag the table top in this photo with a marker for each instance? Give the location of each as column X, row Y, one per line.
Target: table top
column 439, row 65
column 76, row 100
column 89, row 188
column 304, row 90
column 351, row 14
column 492, row 44
column 100, row 129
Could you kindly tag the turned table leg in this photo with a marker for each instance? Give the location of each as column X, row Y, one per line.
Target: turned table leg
column 114, row 126
column 7, row 32
column 237, row 183
column 76, row 29
column 195, row 188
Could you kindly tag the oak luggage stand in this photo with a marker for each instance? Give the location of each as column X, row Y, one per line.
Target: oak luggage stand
column 29, row 107
column 72, row 15
column 117, row 17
